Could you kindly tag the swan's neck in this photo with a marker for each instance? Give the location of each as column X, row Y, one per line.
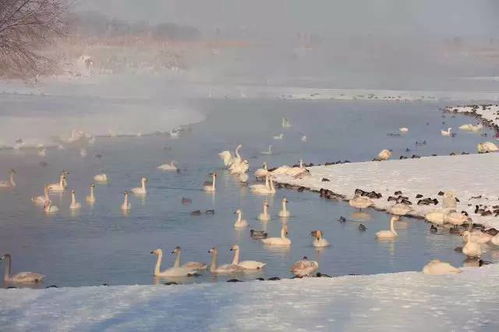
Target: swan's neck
column 283, row 233
column 46, row 193
column 73, row 198
column 213, row 265
column 239, row 217
column 143, row 185
column 7, row 268
column 158, row 264
column 235, row 260
column 265, row 209
column 92, row 193
column 61, row 180
column 12, row 182
column 177, row 260
column 267, row 185
column 213, row 181
column 392, row 226
column 270, row 148
column 272, row 188
column 301, row 163
column 125, row 201
column 237, row 152
column 284, row 207
column 265, row 166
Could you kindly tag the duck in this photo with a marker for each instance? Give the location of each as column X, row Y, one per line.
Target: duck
column 262, row 172
column 91, row 198
column 279, row 137
column 282, row 241
column 240, row 223
column 383, row 155
column 21, row 277
column 49, row 208
column 142, row 189
column 360, row 202
column 265, row 215
column 388, row 234
column 284, row 213
column 319, row 240
column 471, row 248
column 403, row 130
column 197, row 266
column 74, row 204
column 10, row 183
column 171, row 272
column 437, row 267
column 60, row 186
column 101, row 178
column 446, row 132
column 400, row 209
column 304, row 267
column 245, row 265
column 41, row 200
column 266, row 189
column 126, row 206
column 268, row 151
column 223, row 269
column 210, row 186
column 171, row 167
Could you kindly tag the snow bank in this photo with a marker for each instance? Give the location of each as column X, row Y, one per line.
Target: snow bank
column 488, row 113
column 472, row 177
column 409, row 301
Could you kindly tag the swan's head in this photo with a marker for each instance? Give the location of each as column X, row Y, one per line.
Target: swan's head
column 449, row 194
column 12, row 171
column 213, row 251
column 73, row 192
column 125, row 193
column 238, row 211
column 235, row 247
column 285, row 229
column 177, row 250
column 157, row 252
column 316, row 234
column 266, row 203
column 92, row 185
column 144, row 179
column 285, row 200
column 214, row 175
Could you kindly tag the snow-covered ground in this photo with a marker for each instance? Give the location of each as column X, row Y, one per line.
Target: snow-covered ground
column 488, row 113
column 408, row 301
column 474, row 179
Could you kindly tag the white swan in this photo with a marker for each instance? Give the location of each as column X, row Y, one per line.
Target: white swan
column 449, row 201
column 304, row 138
column 91, row 198
column 41, row 200
column 471, row 249
column 142, row 189
column 436, row 217
column 446, row 132
column 246, row 265
column 284, row 213
column 60, row 186
column 210, row 186
column 223, row 269
column 384, row 155
column 319, row 240
column 296, row 171
column 282, row 241
column 126, row 204
column 268, row 151
column 74, row 204
column 226, row 156
column 304, row 267
column 265, row 189
column 240, row 222
column 21, row 277
column 279, row 137
column 388, row 234
column 10, row 183
column 470, row 127
column 487, row 147
column 265, row 215
column 171, row 167
column 284, row 169
column 171, row 272
column 456, row 218
column 285, row 123
column 189, row 265
column 262, row 172
column 42, row 152
column 360, row 202
column 49, row 208
column 404, row 130
column 239, row 167
column 101, row 178
column 237, row 157
column 243, row 178
column 477, row 236
column 400, row 209
column 437, row 267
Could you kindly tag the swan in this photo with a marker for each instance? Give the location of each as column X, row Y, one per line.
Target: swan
column 285, row 123
column 268, row 151
column 189, row 265
column 436, row 217
column 10, row 183
column 91, row 198
column 237, row 157
column 279, row 137
column 49, row 208
column 142, row 189
column 210, row 186
column 319, row 240
column 449, row 200
column 226, row 156
column 471, row 249
column 265, row 216
column 171, row 272
column 262, row 172
column 389, row 234
column 296, row 171
column 243, row 178
column 267, row 188
column 403, row 130
column 42, row 152
column 384, row 155
column 446, row 132
column 41, row 200
column 74, row 204
column 101, row 178
column 487, row 147
column 400, row 209
column 470, row 127
column 239, row 167
column 281, row 170
column 282, row 241
column 240, row 223
column 284, row 213
column 83, row 152
column 171, row 167
column 21, row 277
column 477, row 237
column 437, row 267
column 126, row 204
column 456, row 218
column 246, row 265
column 223, row 269
column 59, row 187
column 360, row 202
column 304, row 267
column 304, row 138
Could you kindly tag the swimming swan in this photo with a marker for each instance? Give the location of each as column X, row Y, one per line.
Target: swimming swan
column 319, row 240
column 171, row 167
column 470, row 127
column 403, row 130
column 74, row 204
column 171, row 272
column 389, row 234
column 223, row 269
column 41, row 200
column 246, row 265
column 60, row 186
column 284, row 213
column 471, row 248
column 142, row 189
column 210, row 186
column 262, row 172
column 437, row 267
column 91, row 198
column 279, row 137
column 446, row 132
column 126, row 204
column 265, row 216
column 487, row 147
column 21, row 277
column 267, row 188
column 226, row 156
column 189, row 265
column 240, row 223
column 400, row 209
column 360, row 202
column 268, row 151
column 101, row 178
column 304, row 267
column 9, row 184
column 282, row 241
column 49, row 208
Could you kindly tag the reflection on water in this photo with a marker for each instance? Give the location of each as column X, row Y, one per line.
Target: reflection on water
column 100, row 244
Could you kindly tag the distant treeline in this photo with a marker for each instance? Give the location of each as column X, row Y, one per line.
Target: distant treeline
column 98, row 25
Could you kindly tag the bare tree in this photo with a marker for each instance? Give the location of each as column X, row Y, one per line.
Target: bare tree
column 25, row 27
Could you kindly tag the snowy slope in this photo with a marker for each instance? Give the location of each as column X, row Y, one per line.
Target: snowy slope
column 409, row 301
column 466, row 175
